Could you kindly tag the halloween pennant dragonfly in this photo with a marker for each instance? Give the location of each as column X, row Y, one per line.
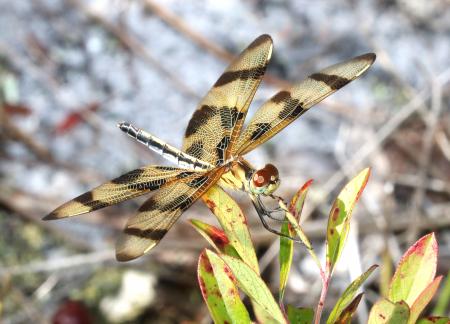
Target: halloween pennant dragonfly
column 213, row 146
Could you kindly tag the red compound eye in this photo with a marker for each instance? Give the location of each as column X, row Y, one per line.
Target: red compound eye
column 261, row 178
column 271, row 170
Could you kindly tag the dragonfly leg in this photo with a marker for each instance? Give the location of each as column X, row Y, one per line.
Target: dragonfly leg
column 262, row 213
column 278, row 198
column 270, row 212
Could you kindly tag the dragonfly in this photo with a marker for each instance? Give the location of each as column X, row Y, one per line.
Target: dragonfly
column 214, row 143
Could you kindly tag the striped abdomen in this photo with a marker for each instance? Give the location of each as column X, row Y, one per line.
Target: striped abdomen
column 165, row 150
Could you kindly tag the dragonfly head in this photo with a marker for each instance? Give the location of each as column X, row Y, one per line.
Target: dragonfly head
column 265, row 181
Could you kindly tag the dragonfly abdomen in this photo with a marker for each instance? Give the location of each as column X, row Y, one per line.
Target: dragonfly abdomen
column 167, row 151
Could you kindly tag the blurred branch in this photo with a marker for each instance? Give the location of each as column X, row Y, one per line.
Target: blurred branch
column 18, row 203
column 415, row 181
column 29, row 312
column 388, row 128
column 179, row 25
column 16, row 134
column 425, row 157
column 61, row 263
column 182, row 27
column 176, row 258
column 411, row 152
column 443, row 143
column 315, row 229
column 360, row 157
column 134, row 45
column 17, row 60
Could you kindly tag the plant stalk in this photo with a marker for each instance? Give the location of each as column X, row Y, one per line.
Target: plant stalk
column 323, row 294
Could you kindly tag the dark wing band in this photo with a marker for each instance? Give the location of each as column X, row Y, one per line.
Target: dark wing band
column 157, row 215
column 221, row 113
column 287, row 105
column 127, row 186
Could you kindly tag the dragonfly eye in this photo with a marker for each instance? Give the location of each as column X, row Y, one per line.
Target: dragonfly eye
column 260, row 178
column 272, row 171
column 265, row 181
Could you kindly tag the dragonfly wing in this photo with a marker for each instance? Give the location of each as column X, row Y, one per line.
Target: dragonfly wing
column 157, row 215
column 221, row 113
column 284, row 107
column 127, row 186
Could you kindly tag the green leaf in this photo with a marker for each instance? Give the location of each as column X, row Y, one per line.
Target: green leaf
column 385, row 311
column 300, row 315
column 348, row 295
column 340, row 215
column 261, row 314
column 301, row 234
column 233, row 222
column 285, row 258
column 423, row 299
column 286, row 245
column 252, row 285
column 444, row 298
column 210, row 291
column 296, row 227
column 298, row 200
column 347, row 313
column 434, row 320
column 415, row 271
column 219, row 289
column 215, row 236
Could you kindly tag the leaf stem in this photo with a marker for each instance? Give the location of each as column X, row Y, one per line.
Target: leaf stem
column 323, row 295
column 325, row 275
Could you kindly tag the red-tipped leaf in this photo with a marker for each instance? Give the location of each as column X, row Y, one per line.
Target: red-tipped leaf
column 340, row 216
column 415, row 271
column 287, row 245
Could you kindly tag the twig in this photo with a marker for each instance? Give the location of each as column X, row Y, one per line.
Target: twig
column 14, row 133
column 443, row 143
column 268, row 256
column 178, row 24
column 46, row 287
column 315, row 230
column 381, row 136
column 61, row 263
column 15, row 203
column 364, row 153
column 411, row 153
column 181, row 26
column 431, row 122
column 134, row 46
column 28, row 310
column 355, row 268
column 413, row 180
column 17, row 60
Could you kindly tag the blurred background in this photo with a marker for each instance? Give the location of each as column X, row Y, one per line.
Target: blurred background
column 71, row 69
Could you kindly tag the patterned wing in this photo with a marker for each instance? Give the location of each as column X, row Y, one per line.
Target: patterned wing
column 287, row 105
column 157, row 215
column 220, row 115
column 127, row 186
